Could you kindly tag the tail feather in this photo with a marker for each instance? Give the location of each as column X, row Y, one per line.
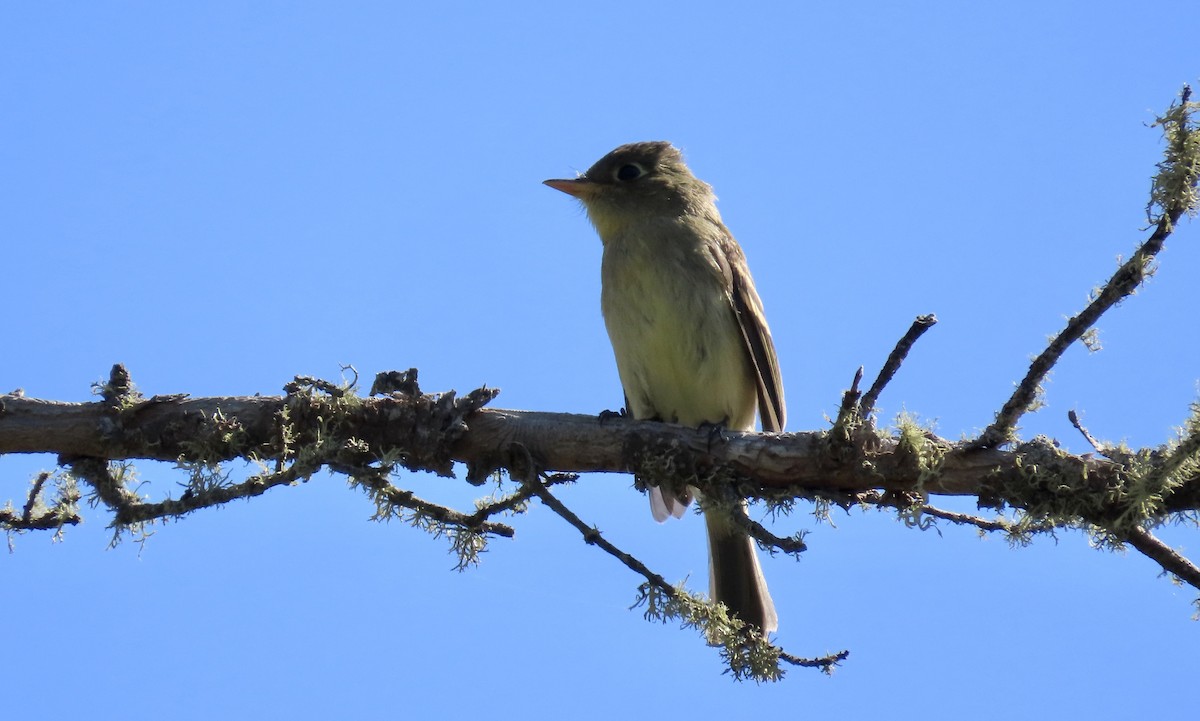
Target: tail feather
column 665, row 505
column 735, row 577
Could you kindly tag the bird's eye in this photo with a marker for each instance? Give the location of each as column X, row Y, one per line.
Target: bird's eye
column 630, row 171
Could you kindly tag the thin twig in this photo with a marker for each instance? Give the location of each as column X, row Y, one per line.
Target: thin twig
column 59, row 514
column 27, row 511
column 825, row 663
column 133, row 510
column 985, row 524
column 1097, row 445
column 966, row 519
column 793, row 545
column 404, row 498
column 1112, row 453
column 849, row 405
column 513, row 500
column 892, row 364
column 995, row 525
column 592, row 536
column 51, row 521
column 1170, row 559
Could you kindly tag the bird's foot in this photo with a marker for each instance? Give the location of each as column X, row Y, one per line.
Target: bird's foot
column 716, row 432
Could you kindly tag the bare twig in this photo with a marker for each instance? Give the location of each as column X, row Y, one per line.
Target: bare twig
column 849, row 400
column 966, row 519
column 39, row 482
column 894, row 359
column 59, row 513
column 592, row 536
column 912, row 503
column 132, row 510
column 10, row 521
column 792, row 545
column 395, row 497
column 1170, row 559
column 825, row 663
column 1095, row 444
column 990, row 524
column 513, row 500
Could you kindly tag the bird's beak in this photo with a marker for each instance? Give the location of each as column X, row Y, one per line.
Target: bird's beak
column 580, row 187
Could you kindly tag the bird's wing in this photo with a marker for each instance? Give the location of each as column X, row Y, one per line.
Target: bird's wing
column 759, row 347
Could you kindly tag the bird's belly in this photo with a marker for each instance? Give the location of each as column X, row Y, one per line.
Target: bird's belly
column 679, row 350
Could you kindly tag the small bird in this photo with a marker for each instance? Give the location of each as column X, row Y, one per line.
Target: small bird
column 687, row 328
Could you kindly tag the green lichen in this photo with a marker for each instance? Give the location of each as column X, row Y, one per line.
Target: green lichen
column 747, row 655
column 918, row 447
column 1173, row 190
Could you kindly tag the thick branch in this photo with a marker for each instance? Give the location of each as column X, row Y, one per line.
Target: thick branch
column 171, row 429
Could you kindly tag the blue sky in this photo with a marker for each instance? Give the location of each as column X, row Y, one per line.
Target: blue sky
column 223, row 196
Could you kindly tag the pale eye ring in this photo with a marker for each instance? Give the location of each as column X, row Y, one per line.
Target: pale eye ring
column 630, row 171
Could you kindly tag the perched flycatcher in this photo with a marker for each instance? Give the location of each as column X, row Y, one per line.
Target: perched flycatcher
column 687, row 328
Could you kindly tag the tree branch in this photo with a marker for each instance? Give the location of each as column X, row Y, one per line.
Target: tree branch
column 322, row 425
column 1170, row 559
column 195, row 429
column 894, row 359
column 746, row 653
column 1173, row 194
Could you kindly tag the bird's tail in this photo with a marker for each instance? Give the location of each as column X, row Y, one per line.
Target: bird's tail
column 735, row 577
